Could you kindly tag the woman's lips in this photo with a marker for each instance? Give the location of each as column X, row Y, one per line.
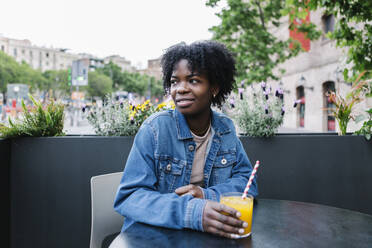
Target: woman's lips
column 183, row 103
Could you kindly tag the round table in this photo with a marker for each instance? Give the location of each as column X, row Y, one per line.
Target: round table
column 276, row 223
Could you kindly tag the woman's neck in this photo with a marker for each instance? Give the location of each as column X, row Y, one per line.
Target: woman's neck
column 199, row 124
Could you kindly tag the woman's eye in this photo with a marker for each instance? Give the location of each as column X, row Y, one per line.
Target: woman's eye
column 172, row 82
column 194, row 81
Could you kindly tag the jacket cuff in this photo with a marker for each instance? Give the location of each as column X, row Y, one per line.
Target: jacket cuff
column 210, row 195
column 194, row 214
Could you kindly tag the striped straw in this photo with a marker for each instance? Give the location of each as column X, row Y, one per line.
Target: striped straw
column 250, row 179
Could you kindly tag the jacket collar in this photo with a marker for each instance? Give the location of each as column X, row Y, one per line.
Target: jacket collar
column 183, row 130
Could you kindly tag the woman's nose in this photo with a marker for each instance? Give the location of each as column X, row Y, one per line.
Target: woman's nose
column 182, row 87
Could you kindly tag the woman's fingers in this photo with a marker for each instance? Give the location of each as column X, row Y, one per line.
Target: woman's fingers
column 190, row 189
column 226, row 225
column 226, row 209
column 183, row 190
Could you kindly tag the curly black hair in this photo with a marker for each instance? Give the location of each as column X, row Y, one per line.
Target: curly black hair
column 206, row 57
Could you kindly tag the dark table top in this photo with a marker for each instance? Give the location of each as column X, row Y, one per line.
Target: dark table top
column 276, row 223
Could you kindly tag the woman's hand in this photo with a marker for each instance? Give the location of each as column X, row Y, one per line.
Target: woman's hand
column 190, row 189
column 222, row 220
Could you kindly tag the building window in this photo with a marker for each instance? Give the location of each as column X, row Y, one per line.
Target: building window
column 47, row 55
column 2, row 48
column 23, row 51
column 328, row 119
column 328, row 23
column 31, row 54
column 15, row 52
column 300, row 106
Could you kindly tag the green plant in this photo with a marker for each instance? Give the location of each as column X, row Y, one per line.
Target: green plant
column 344, row 105
column 261, row 113
column 36, row 121
column 366, row 128
column 121, row 118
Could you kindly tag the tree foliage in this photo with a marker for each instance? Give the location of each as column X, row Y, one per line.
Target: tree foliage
column 353, row 29
column 12, row 72
column 98, row 84
column 132, row 81
column 246, row 30
column 54, row 83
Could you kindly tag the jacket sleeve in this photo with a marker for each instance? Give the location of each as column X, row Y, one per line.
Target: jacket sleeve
column 137, row 196
column 241, row 172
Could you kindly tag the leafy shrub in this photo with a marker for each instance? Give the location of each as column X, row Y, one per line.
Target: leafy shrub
column 260, row 114
column 37, row 121
column 343, row 111
column 366, row 128
column 122, row 118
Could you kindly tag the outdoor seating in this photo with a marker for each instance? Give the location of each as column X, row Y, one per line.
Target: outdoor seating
column 105, row 220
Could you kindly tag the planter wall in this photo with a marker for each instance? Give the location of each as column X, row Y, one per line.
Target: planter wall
column 50, row 187
column 324, row 169
column 50, row 179
column 4, row 191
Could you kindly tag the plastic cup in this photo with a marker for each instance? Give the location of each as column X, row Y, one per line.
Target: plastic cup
column 244, row 206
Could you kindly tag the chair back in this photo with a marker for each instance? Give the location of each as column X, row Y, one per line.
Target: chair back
column 105, row 220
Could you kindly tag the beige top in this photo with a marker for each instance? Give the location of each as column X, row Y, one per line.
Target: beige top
column 197, row 173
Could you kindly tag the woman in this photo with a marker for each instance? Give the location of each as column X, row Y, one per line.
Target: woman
column 182, row 160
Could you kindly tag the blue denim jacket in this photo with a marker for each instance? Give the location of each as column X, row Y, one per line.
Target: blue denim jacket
column 161, row 160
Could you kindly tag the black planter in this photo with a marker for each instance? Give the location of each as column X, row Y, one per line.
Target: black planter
column 50, row 179
column 325, row 169
column 4, row 191
column 50, row 187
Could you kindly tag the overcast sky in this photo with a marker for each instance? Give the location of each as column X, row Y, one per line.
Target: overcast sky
column 135, row 29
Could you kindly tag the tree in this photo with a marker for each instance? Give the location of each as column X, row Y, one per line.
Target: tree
column 114, row 72
column 8, row 70
column 98, row 84
column 245, row 30
column 156, row 87
column 353, row 29
column 13, row 72
column 57, row 82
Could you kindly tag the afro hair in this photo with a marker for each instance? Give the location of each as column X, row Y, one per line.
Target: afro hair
column 210, row 58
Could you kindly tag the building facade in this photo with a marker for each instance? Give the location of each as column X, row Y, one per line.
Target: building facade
column 123, row 63
column 310, row 75
column 43, row 58
column 153, row 69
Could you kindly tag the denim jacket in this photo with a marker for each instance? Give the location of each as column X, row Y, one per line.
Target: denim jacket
column 161, row 160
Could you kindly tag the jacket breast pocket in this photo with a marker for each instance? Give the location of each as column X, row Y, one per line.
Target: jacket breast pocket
column 222, row 167
column 171, row 175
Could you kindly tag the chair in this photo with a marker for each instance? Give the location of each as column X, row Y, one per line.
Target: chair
column 105, row 220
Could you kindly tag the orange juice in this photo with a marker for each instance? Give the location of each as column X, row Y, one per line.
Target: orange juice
column 244, row 206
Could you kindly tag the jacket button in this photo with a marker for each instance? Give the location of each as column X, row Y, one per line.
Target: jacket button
column 223, row 161
column 191, row 148
column 169, row 167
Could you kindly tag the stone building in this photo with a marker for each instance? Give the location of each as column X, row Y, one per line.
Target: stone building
column 53, row 58
column 153, row 69
column 124, row 64
column 310, row 75
column 37, row 57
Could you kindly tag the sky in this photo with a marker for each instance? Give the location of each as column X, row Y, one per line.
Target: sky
column 135, row 29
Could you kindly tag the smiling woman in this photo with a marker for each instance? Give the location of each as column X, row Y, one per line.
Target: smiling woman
column 183, row 160
column 192, row 94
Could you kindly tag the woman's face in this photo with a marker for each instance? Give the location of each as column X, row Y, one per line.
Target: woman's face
column 191, row 91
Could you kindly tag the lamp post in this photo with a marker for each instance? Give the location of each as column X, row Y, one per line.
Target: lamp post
column 302, row 82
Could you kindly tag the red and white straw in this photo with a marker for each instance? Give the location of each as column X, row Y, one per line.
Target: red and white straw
column 250, row 179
